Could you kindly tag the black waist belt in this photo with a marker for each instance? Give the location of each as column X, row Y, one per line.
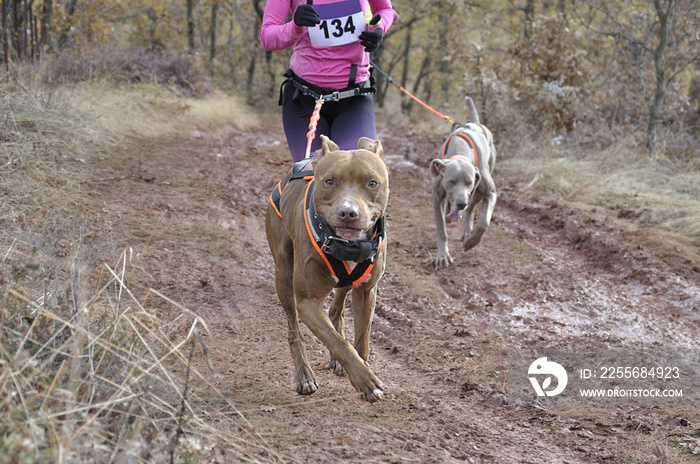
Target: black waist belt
column 316, row 92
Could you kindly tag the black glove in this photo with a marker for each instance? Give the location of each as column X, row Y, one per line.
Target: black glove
column 306, row 15
column 371, row 39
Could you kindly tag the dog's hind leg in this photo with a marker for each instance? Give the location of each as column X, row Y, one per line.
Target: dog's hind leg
column 303, row 374
column 337, row 316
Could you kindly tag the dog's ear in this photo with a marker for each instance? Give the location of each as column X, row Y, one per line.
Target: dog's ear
column 477, row 179
column 437, row 167
column 327, row 146
column 375, row 146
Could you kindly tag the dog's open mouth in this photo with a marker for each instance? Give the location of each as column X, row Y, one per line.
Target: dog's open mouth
column 453, row 215
column 348, row 233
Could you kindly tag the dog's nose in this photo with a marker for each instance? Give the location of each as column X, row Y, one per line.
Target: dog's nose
column 461, row 205
column 348, row 212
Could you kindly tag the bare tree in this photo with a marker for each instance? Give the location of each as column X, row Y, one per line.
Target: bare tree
column 46, row 17
column 70, row 10
column 660, row 42
column 190, row 26
column 212, row 29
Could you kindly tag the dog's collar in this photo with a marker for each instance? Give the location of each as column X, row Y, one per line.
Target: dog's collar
column 336, row 252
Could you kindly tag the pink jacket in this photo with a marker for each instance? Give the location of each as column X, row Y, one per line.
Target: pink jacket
column 325, row 66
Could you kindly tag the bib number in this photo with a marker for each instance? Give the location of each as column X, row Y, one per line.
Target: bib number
column 341, row 24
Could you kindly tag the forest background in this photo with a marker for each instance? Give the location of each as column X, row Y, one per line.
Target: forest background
column 540, row 67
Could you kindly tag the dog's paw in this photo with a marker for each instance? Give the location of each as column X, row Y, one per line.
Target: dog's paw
column 471, row 241
column 337, row 368
column 443, row 261
column 376, row 395
column 307, row 387
column 370, row 387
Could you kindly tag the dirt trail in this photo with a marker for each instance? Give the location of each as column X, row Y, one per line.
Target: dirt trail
column 545, row 275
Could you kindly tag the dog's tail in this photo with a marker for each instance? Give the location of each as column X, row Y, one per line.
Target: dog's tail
column 473, row 115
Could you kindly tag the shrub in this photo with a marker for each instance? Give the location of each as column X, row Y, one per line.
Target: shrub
column 549, row 74
column 183, row 73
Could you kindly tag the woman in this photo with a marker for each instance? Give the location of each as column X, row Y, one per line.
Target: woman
column 332, row 40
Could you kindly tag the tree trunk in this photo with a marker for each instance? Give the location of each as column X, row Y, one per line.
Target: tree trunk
column 405, row 101
column 70, row 9
column 212, row 30
column 529, row 10
column 190, row 26
column 656, row 106
column 5, row 41
column 424, row 68
column 249, row 81
column 445, row 61
column 47, row 16
column 15, row 15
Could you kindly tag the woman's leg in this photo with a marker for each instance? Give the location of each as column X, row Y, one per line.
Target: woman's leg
column 354, row 119
column 296, row 126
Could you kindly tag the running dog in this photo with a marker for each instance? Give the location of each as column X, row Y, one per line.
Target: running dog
column 325, row 228
column 462, row 179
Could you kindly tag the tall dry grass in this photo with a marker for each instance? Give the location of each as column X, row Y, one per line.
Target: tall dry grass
column 91, row 371
column 611, row 170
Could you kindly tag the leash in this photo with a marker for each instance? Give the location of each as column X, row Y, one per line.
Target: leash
column 425, row 105
column 313, row 123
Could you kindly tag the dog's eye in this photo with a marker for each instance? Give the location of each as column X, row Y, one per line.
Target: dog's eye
column 329, row 182
column 372, row 184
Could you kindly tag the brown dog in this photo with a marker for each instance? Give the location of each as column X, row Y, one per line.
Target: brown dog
column 325, row 228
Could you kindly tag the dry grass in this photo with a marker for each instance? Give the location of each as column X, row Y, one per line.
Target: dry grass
column 619, row 176
column 89, row 370
column 99, row 376
column 148, row 110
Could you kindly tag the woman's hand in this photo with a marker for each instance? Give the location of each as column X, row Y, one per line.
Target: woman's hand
column 306, row 15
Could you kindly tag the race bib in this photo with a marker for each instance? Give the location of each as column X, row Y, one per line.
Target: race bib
column 341, row 24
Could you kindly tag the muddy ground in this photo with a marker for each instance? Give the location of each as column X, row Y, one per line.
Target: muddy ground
column 546, row 274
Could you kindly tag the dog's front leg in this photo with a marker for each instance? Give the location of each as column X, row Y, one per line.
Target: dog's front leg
column 303, row 374
column 469, row 213
column 443, row 258
column 489, row 202
column 337, row 316
column 359, row 374
column 363, row 303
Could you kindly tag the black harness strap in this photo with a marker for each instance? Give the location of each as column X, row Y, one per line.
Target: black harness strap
column 353, row 75
column 298, row 172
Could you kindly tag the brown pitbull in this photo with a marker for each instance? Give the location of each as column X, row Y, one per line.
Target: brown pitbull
column 325, row 228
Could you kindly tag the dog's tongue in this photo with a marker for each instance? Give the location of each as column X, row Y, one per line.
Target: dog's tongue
column 453, row 216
